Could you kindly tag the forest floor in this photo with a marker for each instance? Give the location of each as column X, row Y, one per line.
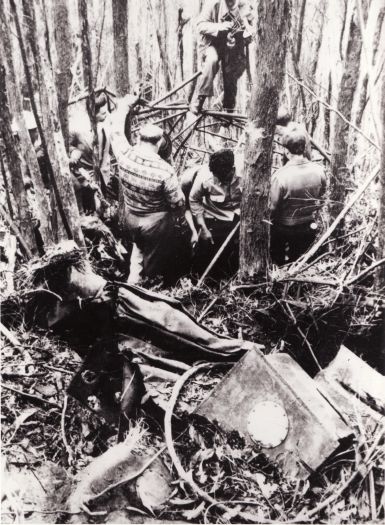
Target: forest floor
column 49, row 439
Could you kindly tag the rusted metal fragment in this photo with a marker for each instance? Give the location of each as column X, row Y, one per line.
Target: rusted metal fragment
column 315, row 429
column 356, row 390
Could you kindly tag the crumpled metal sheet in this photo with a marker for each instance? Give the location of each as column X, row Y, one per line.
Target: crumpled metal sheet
column 315, row 429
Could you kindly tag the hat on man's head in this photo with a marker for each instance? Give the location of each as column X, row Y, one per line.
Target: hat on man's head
column 150, row 133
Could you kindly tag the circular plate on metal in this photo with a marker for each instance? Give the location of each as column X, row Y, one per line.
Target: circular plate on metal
column 268, row 424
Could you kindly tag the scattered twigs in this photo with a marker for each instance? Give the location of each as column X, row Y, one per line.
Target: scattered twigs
column 176, row 89
column 32, row 397
column 365, row 272
column 187, row 476
column 349, row 234
column 214, row 300
column 309, row 280
column 292, row 316
column 361, row 470
column 218, row 254
column 63, row 432
column 331, row 108
column 301, row 262
column 9, row 335
column 15, row 230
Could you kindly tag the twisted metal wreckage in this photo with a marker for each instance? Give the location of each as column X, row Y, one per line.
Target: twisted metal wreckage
column 135, row 333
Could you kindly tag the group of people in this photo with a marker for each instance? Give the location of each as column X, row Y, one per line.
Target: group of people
column 176, row 223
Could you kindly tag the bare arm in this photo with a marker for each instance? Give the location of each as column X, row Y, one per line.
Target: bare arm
column 196, row 204
column 119, row 143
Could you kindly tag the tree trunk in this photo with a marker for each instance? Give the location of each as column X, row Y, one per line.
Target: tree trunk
column 89, row 84
column 63, row 75
column 51, row 136
column 327, row 112
column 162, row 42
column 364, row 89
column 13, row 156
column 120, row 28
column 340, row 143
column 381, row 218
column 29, row 163
column 273, row 26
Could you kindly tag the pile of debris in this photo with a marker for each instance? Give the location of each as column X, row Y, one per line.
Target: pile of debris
column 208, row 427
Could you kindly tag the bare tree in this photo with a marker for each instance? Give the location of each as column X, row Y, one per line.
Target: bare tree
column 381, row 217
column 340, row 142
column 63, row 75
column 28, row 159
column 273, row 26
column 51, row 137
column 14, row 163
column 89, row 83
column 120, row 28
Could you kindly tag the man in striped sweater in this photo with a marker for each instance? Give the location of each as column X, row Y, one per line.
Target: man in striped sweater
column 150, row 198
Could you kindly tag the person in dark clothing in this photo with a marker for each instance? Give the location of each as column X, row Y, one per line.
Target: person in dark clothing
column 224, row 30
column 295, row 192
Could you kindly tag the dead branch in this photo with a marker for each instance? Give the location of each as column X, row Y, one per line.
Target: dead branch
column 9, row 335
column 187, row 476
column 16, row 231
column 32, row 397
column 331, row 108
column 176, row 89
column 218, row 254
column 366, row 271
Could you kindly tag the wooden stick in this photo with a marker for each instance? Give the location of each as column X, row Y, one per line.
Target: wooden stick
column 203, row 130
column 30, row 396
column 218, row 254
column 211, row 304
column 320, row 150
column 229, row 116
column 300, row 263
column 9, row 335
column 194, row 124
column 331, row 108
column 173, row 91
column 16, row 231
column 365, row 272
column 162, row 108
column 164, row 119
